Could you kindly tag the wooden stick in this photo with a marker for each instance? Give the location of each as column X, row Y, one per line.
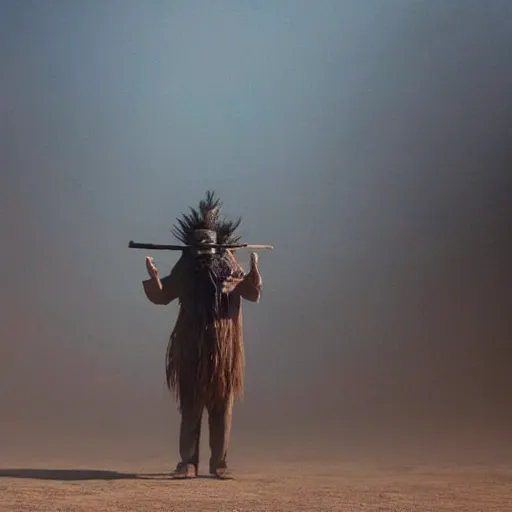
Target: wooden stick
column 252, row 246
column 155, row 247
column 164, row 247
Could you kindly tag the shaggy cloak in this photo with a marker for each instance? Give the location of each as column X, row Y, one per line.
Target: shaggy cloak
column 205, row 356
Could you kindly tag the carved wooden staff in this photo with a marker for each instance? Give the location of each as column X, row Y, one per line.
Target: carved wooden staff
column 164, row 247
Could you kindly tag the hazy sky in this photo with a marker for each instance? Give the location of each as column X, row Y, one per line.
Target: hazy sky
column 369, row 141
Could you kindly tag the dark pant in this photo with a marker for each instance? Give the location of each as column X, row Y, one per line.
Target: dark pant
column 219, row 420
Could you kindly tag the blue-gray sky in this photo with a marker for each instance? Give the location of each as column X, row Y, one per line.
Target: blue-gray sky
column 367, row 140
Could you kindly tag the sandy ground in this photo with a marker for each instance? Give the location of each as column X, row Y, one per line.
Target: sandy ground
column 267, row 487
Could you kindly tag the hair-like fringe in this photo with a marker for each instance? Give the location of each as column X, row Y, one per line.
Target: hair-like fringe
column 205, row 353
column 206, row 217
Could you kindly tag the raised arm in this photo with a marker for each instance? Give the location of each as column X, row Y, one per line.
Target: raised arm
column 250, row 286
column 160, row 291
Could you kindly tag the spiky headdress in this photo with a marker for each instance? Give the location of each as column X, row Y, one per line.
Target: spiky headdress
column 207, row 216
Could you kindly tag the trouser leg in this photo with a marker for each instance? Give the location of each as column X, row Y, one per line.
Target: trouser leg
column 219, row 419
column 190, row 432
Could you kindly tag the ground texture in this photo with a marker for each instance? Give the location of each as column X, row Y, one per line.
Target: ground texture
column 275, row 487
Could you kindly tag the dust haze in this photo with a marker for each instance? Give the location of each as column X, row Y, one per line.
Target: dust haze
column 369, row 142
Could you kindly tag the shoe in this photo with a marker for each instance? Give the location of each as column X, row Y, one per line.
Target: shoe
column 184, row 470
column 221, row 472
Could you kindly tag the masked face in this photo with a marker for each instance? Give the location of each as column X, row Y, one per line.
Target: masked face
column 204, row 237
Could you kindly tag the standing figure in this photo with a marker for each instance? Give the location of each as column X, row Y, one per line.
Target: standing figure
column 205, row 355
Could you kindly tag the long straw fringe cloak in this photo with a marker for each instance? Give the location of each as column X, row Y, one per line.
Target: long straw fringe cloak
column 205, row 355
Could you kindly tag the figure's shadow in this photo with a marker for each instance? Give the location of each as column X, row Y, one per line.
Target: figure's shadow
column 78, row 474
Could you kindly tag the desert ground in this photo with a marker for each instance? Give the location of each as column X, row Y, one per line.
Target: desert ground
column 286, row 486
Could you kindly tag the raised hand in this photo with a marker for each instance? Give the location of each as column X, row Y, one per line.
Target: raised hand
column 254, row 272
column 151, row 268
column 254, row 262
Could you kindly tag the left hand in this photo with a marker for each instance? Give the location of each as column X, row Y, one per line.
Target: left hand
column 254, row 272
column 254, row 262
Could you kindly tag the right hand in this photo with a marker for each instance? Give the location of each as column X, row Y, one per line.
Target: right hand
column 150, row 266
